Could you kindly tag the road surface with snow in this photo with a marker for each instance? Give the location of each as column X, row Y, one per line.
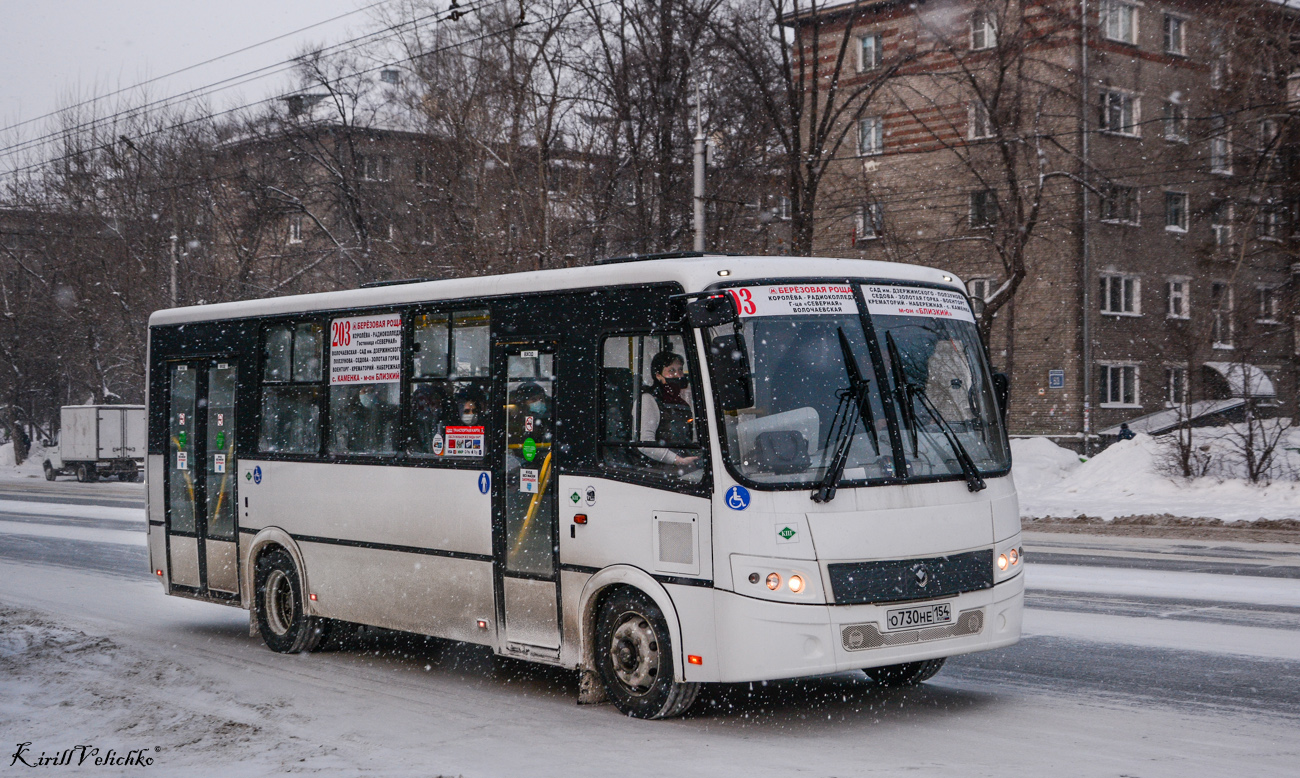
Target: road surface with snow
column 1141, row 657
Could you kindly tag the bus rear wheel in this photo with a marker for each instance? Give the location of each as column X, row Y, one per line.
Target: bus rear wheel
column 281, row 617
column 906, row 674
column 634, row 658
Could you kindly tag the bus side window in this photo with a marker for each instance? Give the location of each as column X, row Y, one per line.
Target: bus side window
column 291, row 390
column 448, row 385
column 648, row 423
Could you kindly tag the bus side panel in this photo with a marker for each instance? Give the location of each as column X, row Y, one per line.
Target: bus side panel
column 435, row 509
column 156, row 514
column 432, row 595
column 621, row 526
column 400, row 547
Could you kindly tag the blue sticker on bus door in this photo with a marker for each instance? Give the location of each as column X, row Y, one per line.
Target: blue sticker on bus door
column 257, row 474
column 738, row 498
column 484, row 483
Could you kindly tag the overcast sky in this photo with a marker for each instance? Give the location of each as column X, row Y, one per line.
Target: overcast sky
column 53, row 52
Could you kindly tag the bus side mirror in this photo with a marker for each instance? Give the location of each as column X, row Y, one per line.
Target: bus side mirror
column 731, row 377
column 712, row 311
column 1002, row 390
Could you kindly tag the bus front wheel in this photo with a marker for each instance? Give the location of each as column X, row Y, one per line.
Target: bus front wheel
column 906, row 674
column 634, row 658
column 281, row 618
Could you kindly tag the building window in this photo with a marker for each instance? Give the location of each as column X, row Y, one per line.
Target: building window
column 983, row 30
column 1119, row 385
column 1119, row 22
column 1175, row 386
column 1270, row 222
column 1177, row 302
column 868, row 222
column 980, row 288
column 295, row 228
column 1176, row 211
column 1221, row 324
column 783, row 208
column 1119, row 113
column 1119, row 204
column 1221, row 224
column 1266, row 304
column 981, row 125
column 871, row 139
column 1175, row 122
column 1219, row 67
column 870, row 53
column 983, row 208
column 1174, row 27
column 373, row 167
column 1121, row 295
column 1220, row 146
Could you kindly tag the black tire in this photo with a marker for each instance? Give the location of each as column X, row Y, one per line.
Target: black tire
column 278, row 600
column 906, row 674
column 634, row 658
column 50, row 472
column 83, row 474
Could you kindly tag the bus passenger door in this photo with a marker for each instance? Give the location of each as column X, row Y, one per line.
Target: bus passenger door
column 526, row 540
column 201, row 486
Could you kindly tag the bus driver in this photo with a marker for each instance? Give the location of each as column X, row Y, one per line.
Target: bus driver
column 668, row 419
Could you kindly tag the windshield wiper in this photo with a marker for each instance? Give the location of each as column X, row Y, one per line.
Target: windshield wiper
column 908, row 390
column 845, row 423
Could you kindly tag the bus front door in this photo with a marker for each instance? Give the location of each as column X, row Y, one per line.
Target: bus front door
column 526, row 539
column 202, row 551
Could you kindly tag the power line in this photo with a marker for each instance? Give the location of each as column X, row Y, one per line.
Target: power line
column 237, row 80
column 452, row 14
column 187, row 68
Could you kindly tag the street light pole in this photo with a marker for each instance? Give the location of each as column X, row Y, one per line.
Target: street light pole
column 700, row 150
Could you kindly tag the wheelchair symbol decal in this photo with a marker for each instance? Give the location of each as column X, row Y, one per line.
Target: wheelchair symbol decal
column 738, row 498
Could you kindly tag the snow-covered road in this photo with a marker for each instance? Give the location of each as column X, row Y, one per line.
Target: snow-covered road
column 1123, row 671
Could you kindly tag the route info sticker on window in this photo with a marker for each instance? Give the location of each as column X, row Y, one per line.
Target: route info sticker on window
column 917, row 301
column 794, row 299
column 366, row 350
column 464, row 442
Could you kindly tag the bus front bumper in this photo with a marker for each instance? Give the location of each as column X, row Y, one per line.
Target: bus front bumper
column 761, row 640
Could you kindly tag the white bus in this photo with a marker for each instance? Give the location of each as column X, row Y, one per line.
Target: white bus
column 658, row 472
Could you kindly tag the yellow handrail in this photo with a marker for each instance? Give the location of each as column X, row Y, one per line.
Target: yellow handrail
column 542, row 479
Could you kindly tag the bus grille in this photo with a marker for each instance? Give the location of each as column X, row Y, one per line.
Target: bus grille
column 900, row 580
column 860, row 637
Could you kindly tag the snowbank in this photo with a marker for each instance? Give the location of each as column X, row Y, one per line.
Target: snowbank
column 1129, row 479
column 30, row 468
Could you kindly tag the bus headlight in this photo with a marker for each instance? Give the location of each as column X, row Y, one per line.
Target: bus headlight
column 796, row 583
column 1008, row 560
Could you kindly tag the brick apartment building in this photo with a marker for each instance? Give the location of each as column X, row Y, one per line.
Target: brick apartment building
column 1141, row 178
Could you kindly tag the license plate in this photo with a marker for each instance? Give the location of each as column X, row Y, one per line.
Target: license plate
column 919, row 616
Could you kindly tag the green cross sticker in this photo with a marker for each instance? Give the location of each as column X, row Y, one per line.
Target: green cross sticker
column 180, row 440
column 786, row 532
column 221, row 439
column 529, row 449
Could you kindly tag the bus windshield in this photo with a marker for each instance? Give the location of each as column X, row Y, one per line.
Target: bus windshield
column 802, row 392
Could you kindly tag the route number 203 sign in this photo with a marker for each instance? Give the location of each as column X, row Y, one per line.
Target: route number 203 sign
column 794, row 299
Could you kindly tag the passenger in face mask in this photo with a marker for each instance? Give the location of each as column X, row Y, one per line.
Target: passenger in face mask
column 666, row 416
column 469, row 406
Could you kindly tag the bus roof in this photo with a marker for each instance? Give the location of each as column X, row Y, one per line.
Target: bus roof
column 695, row 274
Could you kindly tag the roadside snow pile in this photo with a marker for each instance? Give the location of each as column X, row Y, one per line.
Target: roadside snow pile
column 1129, row 479
column 30, row 468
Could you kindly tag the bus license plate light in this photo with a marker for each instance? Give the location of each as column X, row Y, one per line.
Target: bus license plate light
column 919, row 616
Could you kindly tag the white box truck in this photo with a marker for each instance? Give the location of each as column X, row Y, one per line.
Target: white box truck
column 99, row 441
